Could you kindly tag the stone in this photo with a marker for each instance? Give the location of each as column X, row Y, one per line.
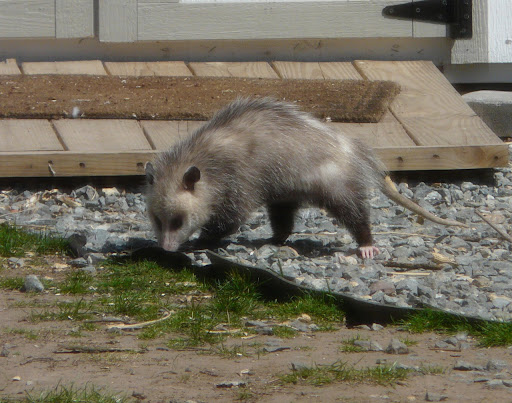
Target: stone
column 494, row 108
column 384, row 286
column 496, row 365
column 435, row 397
column 397, row 347
column 466, row 366
column 33, row 284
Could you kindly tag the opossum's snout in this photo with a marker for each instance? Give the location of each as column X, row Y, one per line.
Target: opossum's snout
column 171, row 233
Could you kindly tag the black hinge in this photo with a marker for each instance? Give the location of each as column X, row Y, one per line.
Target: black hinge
column 458, row 14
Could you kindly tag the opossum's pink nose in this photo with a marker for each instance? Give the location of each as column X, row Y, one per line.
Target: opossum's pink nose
column 169, row 242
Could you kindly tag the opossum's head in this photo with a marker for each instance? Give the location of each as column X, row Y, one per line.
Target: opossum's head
column 174, row 204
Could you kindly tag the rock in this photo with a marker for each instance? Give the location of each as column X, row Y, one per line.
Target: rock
column 79, row 262
column 384, row 286
column 397, row 347
column 368, row 345
column 434, row 397
column 32, row 284
column 16, row 261
column 496, row 365
column 299, row 366
column 466, row 366
column 231, row 384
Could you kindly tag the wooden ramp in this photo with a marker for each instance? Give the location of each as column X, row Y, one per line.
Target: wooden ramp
column 428, row 126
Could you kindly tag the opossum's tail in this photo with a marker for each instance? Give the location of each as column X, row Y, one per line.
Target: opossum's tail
column 389, row 189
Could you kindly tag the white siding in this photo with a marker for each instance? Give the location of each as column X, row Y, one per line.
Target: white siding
column 46, row 18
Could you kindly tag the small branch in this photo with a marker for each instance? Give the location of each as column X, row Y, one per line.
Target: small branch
column 140, row 325
column 493, row 226
column 94, row 349
column 411, row 266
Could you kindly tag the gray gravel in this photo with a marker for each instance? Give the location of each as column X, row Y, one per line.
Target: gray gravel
column 466, row 271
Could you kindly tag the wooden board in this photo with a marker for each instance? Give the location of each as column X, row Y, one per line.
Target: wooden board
column 9, row 67
column 428, row 107
column 427, row 127
column 233, row 20
column 89, row 67
column 20, row 135
column 309, row 70
column 387, row 133
column 44, row 164
column 101, row 135
column 163, row 134
column 138, row 69
column 233, row 69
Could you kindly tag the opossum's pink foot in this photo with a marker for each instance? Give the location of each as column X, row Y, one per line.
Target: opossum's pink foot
column 368, row 252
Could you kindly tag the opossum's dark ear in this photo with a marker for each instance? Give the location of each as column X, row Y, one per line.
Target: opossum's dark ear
column 150, row 173
column 190, row 178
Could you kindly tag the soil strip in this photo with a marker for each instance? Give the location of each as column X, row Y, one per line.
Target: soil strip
column 184, row 98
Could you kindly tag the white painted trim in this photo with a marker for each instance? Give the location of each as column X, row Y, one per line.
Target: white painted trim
column 278, row 20
column 27, row 19
column 74, row 18
column 118, row 20
column 500, row 31
column 492, row 34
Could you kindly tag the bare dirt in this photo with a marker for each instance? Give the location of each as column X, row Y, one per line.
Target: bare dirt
column 184, row 98
column 151, row 372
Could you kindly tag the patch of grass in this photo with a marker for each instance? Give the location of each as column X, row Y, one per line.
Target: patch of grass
column 76, row 282
column 16, row 242
column 408, row 341
column 236, row 297
column 284, row 332
column 70, row 394
column 342, row 372
column 195, row 322
column 28, row 334
column 12, row 283
column 489, row 334
column 324, row 310
column 76, row 311
column 349, row 346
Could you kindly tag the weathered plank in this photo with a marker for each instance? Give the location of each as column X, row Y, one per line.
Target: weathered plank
column 429, row 108
column 443, row 157
column 9, row 67
column 87, row 67
column 28, row 135
column 162, row 134
column 233, row 69
column 339, row 71
column 101, row 135
column 67, row 163
column 147, row 69
column 387, row 133
column 306, row 70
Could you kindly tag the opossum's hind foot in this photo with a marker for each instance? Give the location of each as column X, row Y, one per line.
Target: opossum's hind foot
column 368, row 252
column 281, row 220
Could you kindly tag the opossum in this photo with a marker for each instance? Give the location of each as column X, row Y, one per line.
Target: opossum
column 261, row 151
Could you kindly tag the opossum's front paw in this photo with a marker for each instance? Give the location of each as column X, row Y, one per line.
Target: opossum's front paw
column 368, row 252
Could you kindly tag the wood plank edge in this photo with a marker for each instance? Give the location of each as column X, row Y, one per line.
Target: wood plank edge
column 67, row 163
column 426, row 158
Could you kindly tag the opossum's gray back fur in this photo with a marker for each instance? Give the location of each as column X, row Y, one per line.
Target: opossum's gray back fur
column 257, row 151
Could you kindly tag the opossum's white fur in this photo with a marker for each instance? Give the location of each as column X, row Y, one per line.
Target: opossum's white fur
column 255, row 152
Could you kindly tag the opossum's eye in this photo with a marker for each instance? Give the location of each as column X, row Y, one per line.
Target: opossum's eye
column 176, row 222
column 190, row 178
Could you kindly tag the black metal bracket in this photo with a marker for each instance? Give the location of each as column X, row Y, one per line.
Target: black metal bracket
column 458, row 14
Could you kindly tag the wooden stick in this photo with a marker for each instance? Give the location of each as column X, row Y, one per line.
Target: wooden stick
column 505, row 236
column 140, row 325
